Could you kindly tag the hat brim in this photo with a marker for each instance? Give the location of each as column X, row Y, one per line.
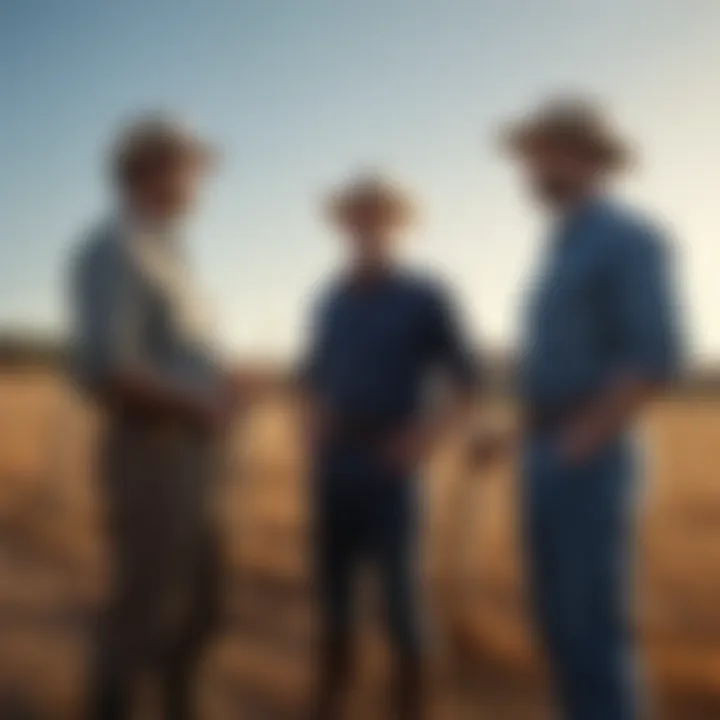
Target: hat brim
column 394, row 210
column 521, row 139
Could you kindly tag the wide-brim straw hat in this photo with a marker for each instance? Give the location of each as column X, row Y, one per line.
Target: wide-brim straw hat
column 570, row 124
column 155, row 141
column 371, row 194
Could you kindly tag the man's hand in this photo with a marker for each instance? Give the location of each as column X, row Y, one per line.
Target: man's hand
column 489, row 447
column 246, row 385
column 580, row 441
column 212, row 414
column 239, row 389
column 605, row 418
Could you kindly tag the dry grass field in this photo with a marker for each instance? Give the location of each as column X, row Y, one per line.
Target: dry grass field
column 52, row 572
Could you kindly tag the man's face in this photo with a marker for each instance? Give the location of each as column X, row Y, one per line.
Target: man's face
column 170, row 192
column 371, row 235
column 557, row 176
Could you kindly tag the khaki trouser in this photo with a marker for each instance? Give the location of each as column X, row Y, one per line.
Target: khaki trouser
column 159, row 485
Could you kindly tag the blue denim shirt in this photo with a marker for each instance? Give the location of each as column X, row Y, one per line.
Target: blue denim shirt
column 603, row 305
column 375, row 348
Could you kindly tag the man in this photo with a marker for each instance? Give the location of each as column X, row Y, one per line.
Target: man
column 380, row 333
column 141, row 351
column 601, row 341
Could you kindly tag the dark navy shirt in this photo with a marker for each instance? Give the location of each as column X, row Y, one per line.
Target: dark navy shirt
column 376, row 346
column 603, row 305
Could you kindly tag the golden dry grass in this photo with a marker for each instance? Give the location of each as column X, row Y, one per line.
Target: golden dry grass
column 52, row 569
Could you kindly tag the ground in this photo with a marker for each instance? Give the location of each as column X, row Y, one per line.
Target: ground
column 52, row 572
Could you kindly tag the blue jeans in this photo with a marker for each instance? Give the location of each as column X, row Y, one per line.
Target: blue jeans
column 365, row 512
column 579, row 535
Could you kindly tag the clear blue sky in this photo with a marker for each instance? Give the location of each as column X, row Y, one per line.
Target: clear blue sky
column 301, row 93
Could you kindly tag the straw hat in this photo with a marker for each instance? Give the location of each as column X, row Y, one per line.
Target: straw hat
column 570, row 123
column 372, row 193
column 154, row 141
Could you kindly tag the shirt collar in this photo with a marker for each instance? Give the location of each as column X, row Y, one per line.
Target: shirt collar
column 353, row 282
column 570, row 221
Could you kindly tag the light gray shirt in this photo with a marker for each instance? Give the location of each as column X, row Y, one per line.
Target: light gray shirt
column 136, row 305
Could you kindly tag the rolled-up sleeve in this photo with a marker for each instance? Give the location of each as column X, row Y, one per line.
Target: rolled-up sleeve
column 450, row 348
column 107, row 316
column 645, row 306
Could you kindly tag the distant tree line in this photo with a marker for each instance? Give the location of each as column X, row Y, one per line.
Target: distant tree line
column 30, row 351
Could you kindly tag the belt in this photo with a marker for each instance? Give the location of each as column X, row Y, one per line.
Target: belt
column 362, row 431
column 550, row 418
column 157, row 425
